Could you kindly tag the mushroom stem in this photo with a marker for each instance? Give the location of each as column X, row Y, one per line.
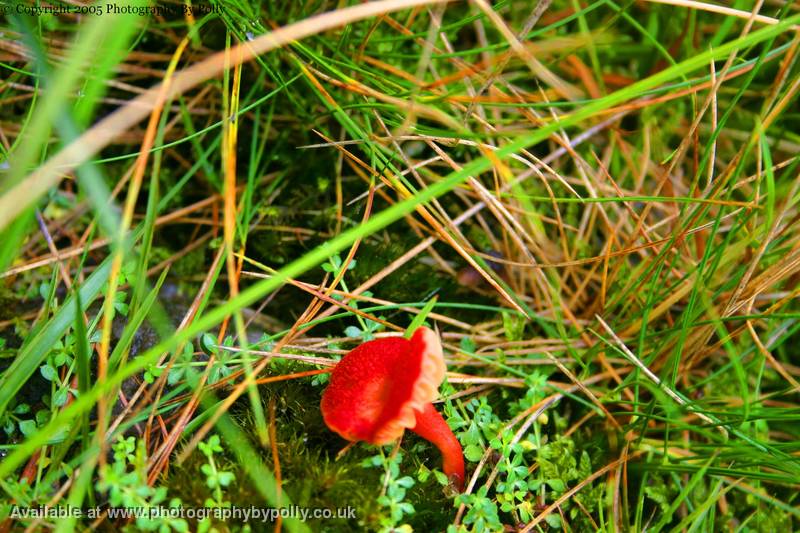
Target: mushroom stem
column 432, row 427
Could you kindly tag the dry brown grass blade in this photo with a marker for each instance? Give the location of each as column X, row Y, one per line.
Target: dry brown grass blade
column 127, row 218
column 444, row 233
column 714, row 8
column 469, row 213
column 562, row 87
column 23, row 194
column 276, row 464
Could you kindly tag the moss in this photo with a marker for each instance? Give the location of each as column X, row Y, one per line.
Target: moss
column 190, row 264
column 306, row 450
column 434, row 510
column 6, row 301
column 411, row 282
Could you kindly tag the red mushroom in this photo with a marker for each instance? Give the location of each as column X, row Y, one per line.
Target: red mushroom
column 387, row 385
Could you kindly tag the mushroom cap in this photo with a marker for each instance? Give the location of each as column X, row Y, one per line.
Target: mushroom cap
column 376, row 388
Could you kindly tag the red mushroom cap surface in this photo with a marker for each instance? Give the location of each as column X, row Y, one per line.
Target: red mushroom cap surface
column 376, row 388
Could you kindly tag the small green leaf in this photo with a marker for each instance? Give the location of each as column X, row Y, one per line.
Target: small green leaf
column 473, row 453
column 553, row 520
column 175, row 375
column 60, row 397
column 468, row 345
column 27, row 427
column 352, row 332
column 208, row 343
column 48, row 372
column 423, row 473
